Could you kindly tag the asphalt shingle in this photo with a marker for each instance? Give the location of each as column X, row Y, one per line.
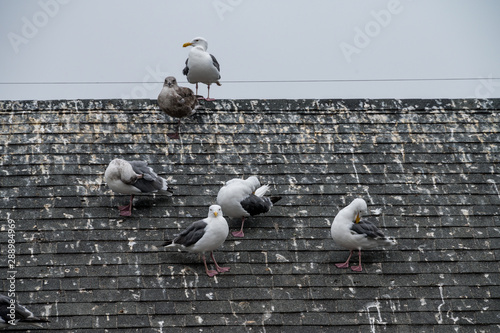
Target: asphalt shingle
column 431, row 166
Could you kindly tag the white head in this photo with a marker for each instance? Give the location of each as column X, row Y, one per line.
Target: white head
column 253, row 181
column 124, row 171
column 215, row 211
column 358, row 206
column 198, row 42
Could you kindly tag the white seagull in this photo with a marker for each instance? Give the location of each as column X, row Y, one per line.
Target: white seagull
column 349, row 231
column 133, row 177
column 204, row 236
column 201, row 66
column 177, row 102
column 241, row 198
column 18, row 316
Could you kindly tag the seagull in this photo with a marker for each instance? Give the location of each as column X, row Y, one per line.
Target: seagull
column 201, row 66
column 133, row 177
column 242, row 198
column 13, row 314
column 177, row 102
column 204, row 236
column 349, row 231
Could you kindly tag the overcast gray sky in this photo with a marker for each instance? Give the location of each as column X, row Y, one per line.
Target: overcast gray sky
column 322, row 46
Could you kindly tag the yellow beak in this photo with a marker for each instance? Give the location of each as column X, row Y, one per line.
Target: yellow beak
column 215, row 214
column 187, row 44
column 358, row 218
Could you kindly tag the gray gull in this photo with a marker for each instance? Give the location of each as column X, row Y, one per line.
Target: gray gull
column 241, row 198
column 133, row 177
column 204, row 236
column 177, row 102
column 352, row 233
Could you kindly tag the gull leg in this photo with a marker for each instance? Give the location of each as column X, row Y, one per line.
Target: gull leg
column 358, row 268
column 176, row 134
column 198, row 96
column 239, row 233
column 209, row 272
column 219, row 269
column 208, row 95
column 345, row 264
column 127, row 210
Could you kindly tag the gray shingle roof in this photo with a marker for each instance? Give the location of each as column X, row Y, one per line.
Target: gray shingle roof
column 431, row 166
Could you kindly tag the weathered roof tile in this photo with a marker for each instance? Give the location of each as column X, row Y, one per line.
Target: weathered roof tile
column 430, row 165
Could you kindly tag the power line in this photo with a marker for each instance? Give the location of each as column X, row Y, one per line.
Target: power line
column 256, row 81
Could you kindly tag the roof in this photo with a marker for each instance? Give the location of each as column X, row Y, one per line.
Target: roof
column 431, row 168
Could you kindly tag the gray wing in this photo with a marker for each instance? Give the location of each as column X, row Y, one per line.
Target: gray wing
column 368, row 228
column 4, row 303
column 215, row 62
column 255, row 205
column 150, row 182
column 21, row 312
column 188, row 96
column 185, row 92
column 142, row 168
column 185, row 71
column 192, row 234
column 4, row 299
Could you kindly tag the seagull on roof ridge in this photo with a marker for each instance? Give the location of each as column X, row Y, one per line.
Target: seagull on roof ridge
column 204, row 236
column 201, row 66
column 349, row 231
column 133, row 177
column 177, row 102
column 240, row 198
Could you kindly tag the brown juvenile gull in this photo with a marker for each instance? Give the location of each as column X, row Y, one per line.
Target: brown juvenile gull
column 201, row 66
column 177, row 102
column 204, row 236
column 352, row 233
column 13, row 314
column 133, row 177
column 241, row 198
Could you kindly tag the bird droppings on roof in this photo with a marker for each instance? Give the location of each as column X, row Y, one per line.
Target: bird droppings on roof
column 430, row 168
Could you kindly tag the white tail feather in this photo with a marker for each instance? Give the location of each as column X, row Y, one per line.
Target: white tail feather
column 261, row 191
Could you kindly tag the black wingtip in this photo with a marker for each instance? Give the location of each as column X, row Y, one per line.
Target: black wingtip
column 274, row 199
column 34, row 321
column 166, row 243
